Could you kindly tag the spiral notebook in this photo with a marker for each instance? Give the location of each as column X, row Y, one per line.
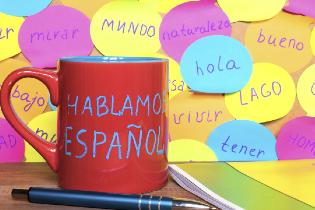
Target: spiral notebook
column 250, row 185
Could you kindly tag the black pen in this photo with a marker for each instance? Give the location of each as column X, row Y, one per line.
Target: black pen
column 104, row 200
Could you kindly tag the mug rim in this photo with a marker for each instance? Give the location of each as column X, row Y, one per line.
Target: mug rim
column 112, row 59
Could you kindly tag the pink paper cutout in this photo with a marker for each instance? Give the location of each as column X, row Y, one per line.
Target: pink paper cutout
column 55, row 32
column 190, row 21
column 296, row 139
column 303, row 7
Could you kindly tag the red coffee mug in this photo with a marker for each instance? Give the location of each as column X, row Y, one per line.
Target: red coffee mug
column 112, row 128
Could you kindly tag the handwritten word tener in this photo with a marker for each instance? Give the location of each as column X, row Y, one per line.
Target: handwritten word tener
column 282, row 42
column 129, row 27
column 4, row 33
column 186, row 31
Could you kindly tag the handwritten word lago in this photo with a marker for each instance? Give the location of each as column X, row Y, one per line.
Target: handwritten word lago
column 110, row 105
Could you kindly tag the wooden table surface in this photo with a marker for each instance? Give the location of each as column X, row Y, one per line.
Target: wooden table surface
column 24, row 175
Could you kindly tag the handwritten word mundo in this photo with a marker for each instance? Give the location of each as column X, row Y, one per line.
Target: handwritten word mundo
column 27, row 98
column 283, row 42
column 104, row 105
column 54, row 35
column 186, row 31
column 129, row 27
column 264, row 91
column 4, row 32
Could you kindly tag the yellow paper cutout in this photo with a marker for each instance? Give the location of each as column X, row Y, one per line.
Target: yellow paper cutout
column 126, row 28
column 87, row 7
column 194, row 116
column 9, row 31
column 306, row 90
column 29, row 96
column 269, row 95
column 184, row 150
column 251, row 10
column 294, row 178
column 45, row 126
column 313, row 41
column 176, row 83
column 282, row 40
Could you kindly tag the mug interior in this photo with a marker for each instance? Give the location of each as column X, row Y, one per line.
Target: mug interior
column 112, row 59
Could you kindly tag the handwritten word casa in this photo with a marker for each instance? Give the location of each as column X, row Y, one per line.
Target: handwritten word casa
column 9, row 30
column 216, row 64
column 11, row 143
column 296, row 139
column 283, row 40
column 270, row 88
column 242, row 140
column 195, row 115
column 134, row 33
column 66, row 33
column 183, row 25
column 306, row 90
column 143, row 140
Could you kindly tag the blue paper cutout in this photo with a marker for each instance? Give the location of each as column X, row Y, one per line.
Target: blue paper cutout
column 23, row 7
column 243, row 140
column 216, row 64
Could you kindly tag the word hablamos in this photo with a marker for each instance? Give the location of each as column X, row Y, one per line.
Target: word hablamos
column 141, row 141
column 282, row 42
column 133, row 28
column 102, row 105
column 4, row 33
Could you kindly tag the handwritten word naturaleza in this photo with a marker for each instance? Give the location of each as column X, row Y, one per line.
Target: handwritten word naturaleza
column 282, row 42
column 129, row 27
column 4, row 33
column 140, row 139
column 187, row 31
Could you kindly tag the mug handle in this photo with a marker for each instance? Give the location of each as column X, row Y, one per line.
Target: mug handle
column 50, row 79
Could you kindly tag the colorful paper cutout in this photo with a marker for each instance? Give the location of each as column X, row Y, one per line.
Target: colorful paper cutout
column 194, row 115
column 28, row 96
column 188, row 22
column 9, row 30
column 306, row 90
column 65, row 33
column 11, row 144
column 185, row 150
column 23, row 7
column 126, row 28
column 283, row 40
column 292, row 178
column 87, row 7
column 296, row 139
column 45, row 126
column 313, row 41
column 269, row 95
column 251, row 10
column 301, row 7
column 216, row 64
column 242, row 140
